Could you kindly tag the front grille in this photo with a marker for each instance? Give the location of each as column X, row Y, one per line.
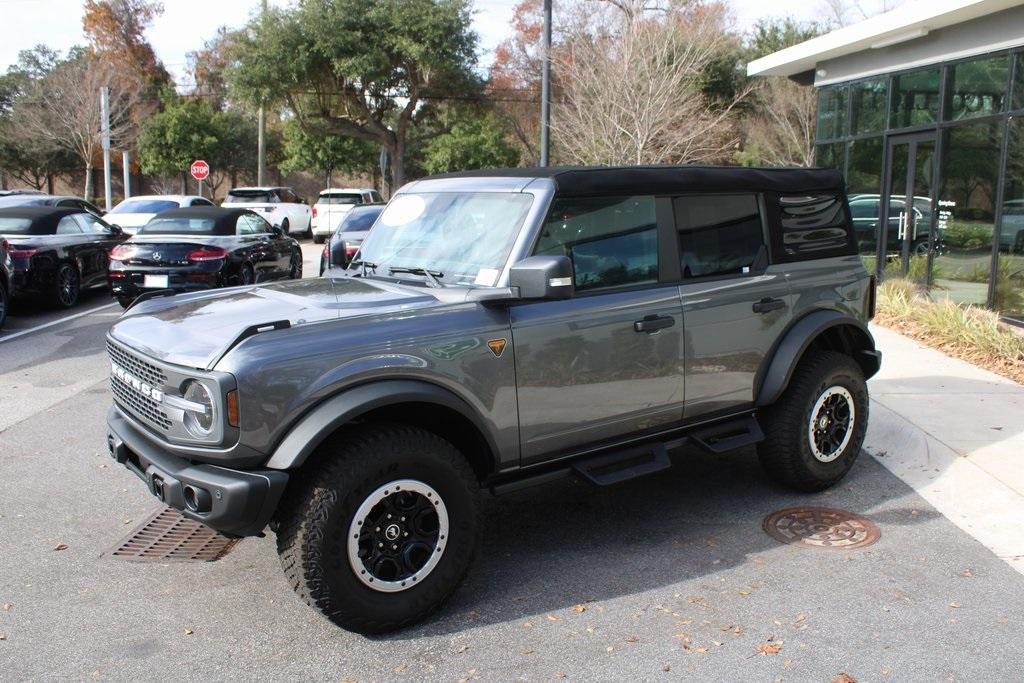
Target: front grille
column 128, row 398
column 139, row 405
column 147, row 372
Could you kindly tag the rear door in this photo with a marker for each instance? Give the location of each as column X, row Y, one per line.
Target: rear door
column 258, row 246
column 735, row 305
column 607, row 362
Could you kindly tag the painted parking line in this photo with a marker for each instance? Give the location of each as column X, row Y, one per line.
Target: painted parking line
column 21, row 333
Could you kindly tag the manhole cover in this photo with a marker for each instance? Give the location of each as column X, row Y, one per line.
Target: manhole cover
column 827, row 528
column 167, row 536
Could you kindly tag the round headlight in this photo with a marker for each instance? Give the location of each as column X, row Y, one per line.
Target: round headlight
column 199, row 424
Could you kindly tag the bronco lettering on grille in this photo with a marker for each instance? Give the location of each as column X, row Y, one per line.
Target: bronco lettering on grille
column 137, row 384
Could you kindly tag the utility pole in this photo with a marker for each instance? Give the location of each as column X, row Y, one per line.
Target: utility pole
column 105, row 138
column 261, row 123
column 545, row 88
column 126, row 161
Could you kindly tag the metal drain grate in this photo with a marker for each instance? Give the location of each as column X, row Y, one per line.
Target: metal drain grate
column 816, row 527
column 167, row 536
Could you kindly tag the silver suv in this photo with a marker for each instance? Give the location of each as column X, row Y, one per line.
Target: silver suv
column 499, row 329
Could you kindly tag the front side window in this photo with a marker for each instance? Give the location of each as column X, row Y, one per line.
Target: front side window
column 251, row 225
column 719, row 234
column 466, row 236
column 612, row 241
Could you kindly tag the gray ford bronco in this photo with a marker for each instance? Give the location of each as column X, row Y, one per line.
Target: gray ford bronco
column 499, row 329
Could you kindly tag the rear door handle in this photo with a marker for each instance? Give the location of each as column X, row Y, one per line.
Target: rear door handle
column 653, row 323
column 767, row 304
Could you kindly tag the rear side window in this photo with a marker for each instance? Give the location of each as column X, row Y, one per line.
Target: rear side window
column 612, row 241
column 69, row 226
column 813, row 227
column 719, row 235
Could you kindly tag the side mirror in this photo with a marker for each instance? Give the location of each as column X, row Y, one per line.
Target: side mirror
column 543, row 277
column 116, row 230
column 278, row 231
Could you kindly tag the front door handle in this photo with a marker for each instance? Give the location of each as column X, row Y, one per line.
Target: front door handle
column 768, row 304
column 653, row 323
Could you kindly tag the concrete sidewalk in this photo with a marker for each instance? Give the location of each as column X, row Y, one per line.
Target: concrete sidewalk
column 955, row 433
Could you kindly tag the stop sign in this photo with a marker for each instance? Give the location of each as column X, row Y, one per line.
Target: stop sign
column 200, row 169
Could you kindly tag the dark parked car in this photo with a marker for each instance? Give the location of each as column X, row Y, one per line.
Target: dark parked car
column 39, row 199
column 6, row 283
column 501, row 329
column 57, row 252
column 202, row 247
column 345, row 241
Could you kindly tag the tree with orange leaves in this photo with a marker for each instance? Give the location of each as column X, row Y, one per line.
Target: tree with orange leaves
column 116, row 30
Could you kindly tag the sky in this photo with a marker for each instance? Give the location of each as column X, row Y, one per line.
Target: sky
column 185, row 24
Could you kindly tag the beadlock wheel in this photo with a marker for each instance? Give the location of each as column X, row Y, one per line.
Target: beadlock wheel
column 398, row 535
column 831, row 424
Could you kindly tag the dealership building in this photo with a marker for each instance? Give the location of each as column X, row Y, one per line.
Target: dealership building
column 922, row 108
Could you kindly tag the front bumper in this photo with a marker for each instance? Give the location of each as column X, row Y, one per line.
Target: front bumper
column 235, row 502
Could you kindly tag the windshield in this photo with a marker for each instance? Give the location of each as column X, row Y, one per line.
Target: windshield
column 15, row 226
column 179, row 226
column 23, row 200
column 336, row 199
column 466, row 236
column 251, row 197
column 359, row 221
column 144, row 206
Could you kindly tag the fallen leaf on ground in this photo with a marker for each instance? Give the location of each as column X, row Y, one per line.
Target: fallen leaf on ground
column 552, row 617
column 632, row 639
column 666, row 668
column 189, row 632
column 61, row 546
column 769, row 649
column 7, row 606
column 844, row 678
column 579, row 608
column 463, row 648
column 967, row 572
column 684, row 622
column 800, row 618
column 527, row 624
column 609, row 648
column 528, row 652
column 559, row 674
column 701, row 650
column 399, row 669
column 953, row 605
column 3, row 636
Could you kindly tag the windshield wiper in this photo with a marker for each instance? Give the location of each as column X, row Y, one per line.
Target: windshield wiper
column 431, row 275
column 363, row 266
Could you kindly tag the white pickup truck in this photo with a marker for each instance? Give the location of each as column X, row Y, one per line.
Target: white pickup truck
column 279, row 205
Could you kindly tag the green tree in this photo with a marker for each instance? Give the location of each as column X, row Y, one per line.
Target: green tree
column 473, row 142
column 189, row 129
column 318, row 152
column 363, row 68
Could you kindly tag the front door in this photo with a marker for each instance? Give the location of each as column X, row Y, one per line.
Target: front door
column 608, row 362
column 906, row 208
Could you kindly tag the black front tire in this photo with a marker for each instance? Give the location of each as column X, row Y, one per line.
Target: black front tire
column 787, row 453
column 319, row 509
column 66, row 286
column 125, row 301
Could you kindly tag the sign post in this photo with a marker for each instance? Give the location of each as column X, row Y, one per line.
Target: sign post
column 200, row 170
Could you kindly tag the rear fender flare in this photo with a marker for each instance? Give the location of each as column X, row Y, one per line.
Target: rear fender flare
column 798, row 338
column 323, row 420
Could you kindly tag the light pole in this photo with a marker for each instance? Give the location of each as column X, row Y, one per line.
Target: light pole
column 261, row 124
column 545, row 88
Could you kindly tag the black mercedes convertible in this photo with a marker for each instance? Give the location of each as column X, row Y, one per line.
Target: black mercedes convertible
column 202, row 247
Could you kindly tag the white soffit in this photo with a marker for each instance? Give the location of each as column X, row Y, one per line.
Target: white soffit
column 905, row 23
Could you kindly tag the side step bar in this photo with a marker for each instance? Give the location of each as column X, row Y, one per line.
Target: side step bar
column 727, row 436
column 612, row 468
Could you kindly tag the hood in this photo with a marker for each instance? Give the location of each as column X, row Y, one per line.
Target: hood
column 195, row 330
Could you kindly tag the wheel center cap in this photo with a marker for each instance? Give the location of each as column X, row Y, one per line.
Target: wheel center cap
column 823, row 422
column 392, row 532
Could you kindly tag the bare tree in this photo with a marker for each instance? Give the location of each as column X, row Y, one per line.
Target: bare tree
column 66, row 110
column 839, row 13
column 781, row 129
column 631, row 83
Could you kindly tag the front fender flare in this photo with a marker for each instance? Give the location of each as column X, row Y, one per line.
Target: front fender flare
column 315, row 426
column 796, row 340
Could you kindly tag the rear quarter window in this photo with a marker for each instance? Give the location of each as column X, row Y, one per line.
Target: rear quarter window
column 811, row 226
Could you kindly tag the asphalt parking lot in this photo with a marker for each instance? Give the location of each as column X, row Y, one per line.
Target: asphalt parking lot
column 666, row 577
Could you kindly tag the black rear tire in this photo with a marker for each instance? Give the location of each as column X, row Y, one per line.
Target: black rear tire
column 788, row 453
column 5, row 303
column 319, row 511
column 318, row 239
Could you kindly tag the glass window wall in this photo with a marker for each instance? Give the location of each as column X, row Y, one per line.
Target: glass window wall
column 977, row 88
column 867, row 105
column 915, row 99
column 1009, row 289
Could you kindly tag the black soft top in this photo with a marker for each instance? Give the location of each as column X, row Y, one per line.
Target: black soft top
column 580, row 181
column 44, row 218
column 221, row 220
